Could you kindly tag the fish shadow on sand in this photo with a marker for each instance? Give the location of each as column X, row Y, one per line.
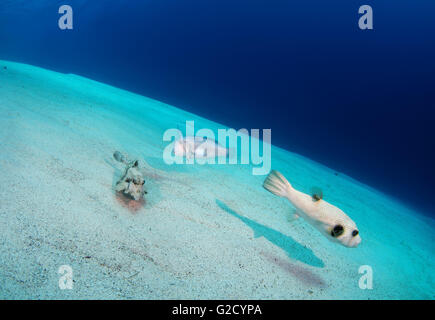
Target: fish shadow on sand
column 293, row 249
column 304, row 275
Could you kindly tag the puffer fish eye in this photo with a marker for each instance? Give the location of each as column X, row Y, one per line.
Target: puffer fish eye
column 337, row 231
column 355, row 233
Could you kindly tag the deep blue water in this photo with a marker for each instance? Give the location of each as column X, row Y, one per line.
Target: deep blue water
column 360, row 102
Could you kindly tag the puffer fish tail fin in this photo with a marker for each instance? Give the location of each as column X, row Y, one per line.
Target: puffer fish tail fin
column 119, row 157
column 277, row 184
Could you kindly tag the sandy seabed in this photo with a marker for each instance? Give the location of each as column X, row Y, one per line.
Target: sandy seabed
column 203, row 231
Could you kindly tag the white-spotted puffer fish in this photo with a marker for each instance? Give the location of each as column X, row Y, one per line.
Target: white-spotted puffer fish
column 332, row 222
column 199, row 147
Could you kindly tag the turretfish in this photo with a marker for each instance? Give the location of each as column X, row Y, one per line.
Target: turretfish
column 332, row 222
column 131, row 184
column 199, row 147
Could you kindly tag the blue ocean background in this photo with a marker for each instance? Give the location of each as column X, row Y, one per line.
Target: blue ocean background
column 360, row 102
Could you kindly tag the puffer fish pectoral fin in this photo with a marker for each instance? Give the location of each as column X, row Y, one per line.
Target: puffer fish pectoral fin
column 294, row 216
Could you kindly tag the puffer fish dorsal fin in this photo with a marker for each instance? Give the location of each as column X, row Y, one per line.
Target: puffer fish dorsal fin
column 316, row 194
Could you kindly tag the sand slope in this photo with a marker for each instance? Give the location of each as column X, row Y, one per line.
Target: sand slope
column 204, row 232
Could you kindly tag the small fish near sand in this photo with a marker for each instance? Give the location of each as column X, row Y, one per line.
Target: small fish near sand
column 332, row 222
column 131, row 183
column 199, row 147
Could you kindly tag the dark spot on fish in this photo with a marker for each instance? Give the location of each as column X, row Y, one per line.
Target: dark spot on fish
column 316, row 197
column 355, row 233
column 337, row 231
column 316, row 194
